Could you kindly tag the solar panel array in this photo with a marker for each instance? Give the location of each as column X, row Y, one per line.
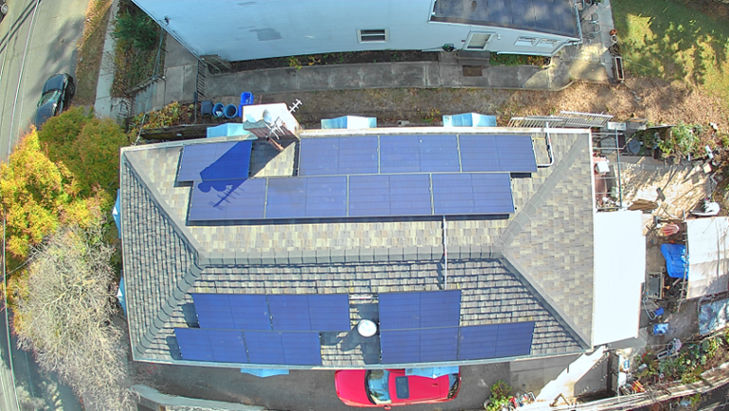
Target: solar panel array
column 415, row 327
column 254, row 347
column 279, row 312
column 424, row 327
column 362, row 176
column 262, row 329
column 426, row 153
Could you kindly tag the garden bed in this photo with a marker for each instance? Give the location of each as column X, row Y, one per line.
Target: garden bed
column 324, row 59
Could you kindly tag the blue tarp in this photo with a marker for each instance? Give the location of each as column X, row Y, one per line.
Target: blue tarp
column 431, row 372
column 121, row 295
column 264, row 372
column 115, row 214
column 469, row 120
column 676, row 261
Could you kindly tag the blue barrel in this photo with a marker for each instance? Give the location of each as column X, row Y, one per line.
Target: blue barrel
column 231, row 111
column 218, row 110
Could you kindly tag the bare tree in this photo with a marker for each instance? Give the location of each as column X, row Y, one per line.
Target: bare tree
column 66, row 316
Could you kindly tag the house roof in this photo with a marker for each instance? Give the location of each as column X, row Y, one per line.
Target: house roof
column 548, row 16
column 535, row 265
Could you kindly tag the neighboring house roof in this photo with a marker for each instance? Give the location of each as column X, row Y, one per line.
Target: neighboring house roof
column 535, row 265
column 547, row 16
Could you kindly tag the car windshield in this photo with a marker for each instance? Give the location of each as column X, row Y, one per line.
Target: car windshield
column 50, row 96
column 376, row 382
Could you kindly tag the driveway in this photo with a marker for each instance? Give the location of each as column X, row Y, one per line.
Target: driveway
column 314, row 390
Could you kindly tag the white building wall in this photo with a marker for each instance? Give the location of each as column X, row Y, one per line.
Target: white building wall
column 245, row 30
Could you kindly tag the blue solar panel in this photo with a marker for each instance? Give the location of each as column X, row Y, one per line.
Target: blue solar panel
column 264, row 347
column 385, row 195
column 399, row 347
column 310, row 312
column 326, row 197
column 232, row 311
column 301, row 348
column 197, row 344
column 283, row 348
column 472, row 194
column 418, row 153
column 338, row 155
column 289, row 312
column 422, row 345
column 227, row 200
column 309, row 197
column 329, row 312
column 419, row 310
column 215, row 161
column 495, row 341
column 510, row 153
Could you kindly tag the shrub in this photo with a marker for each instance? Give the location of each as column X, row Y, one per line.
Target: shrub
column 500, row 394
column 137, row 29
column 87, row 146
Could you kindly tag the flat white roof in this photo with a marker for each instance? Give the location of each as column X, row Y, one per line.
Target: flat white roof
column 708, row 248
column 619, row 274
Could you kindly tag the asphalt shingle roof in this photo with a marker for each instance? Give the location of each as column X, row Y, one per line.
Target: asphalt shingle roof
column 535, row 265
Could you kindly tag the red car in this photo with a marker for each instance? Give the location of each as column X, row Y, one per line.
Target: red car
column 388, row 388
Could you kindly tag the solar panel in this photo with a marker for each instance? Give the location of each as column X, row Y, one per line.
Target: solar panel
column 489, row 152
column 338, row 155
column 264, row 347
column 418, row 153
column 399, row 347
column 495, row 341
column 472, row 194
column 419, row 345
column 197, row 344
column 215, row 161
column 309, row 197
column 232, row 311
column 385, row 195
column 301, row 348
column 273, row 347
column 329, row 312
column 227, row 200
column 419, row 310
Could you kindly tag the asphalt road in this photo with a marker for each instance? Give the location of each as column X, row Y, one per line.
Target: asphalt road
column 37, row 39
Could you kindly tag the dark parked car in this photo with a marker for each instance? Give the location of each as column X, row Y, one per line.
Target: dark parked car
column 388, row 388
column 57, row 92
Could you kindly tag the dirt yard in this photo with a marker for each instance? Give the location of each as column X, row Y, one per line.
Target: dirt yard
column 656, row 101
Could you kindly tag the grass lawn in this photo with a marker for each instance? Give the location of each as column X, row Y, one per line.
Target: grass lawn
column 666, row 39
column 89, row 51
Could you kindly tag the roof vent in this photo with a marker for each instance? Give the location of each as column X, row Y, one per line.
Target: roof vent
column 366, row 328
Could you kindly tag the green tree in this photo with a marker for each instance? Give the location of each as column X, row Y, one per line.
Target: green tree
column 87, row 146
column 33, row 194
column 136, row 28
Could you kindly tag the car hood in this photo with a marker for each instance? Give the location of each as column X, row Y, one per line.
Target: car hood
column 350, row 386
column 54, row 83
column 43, row 113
